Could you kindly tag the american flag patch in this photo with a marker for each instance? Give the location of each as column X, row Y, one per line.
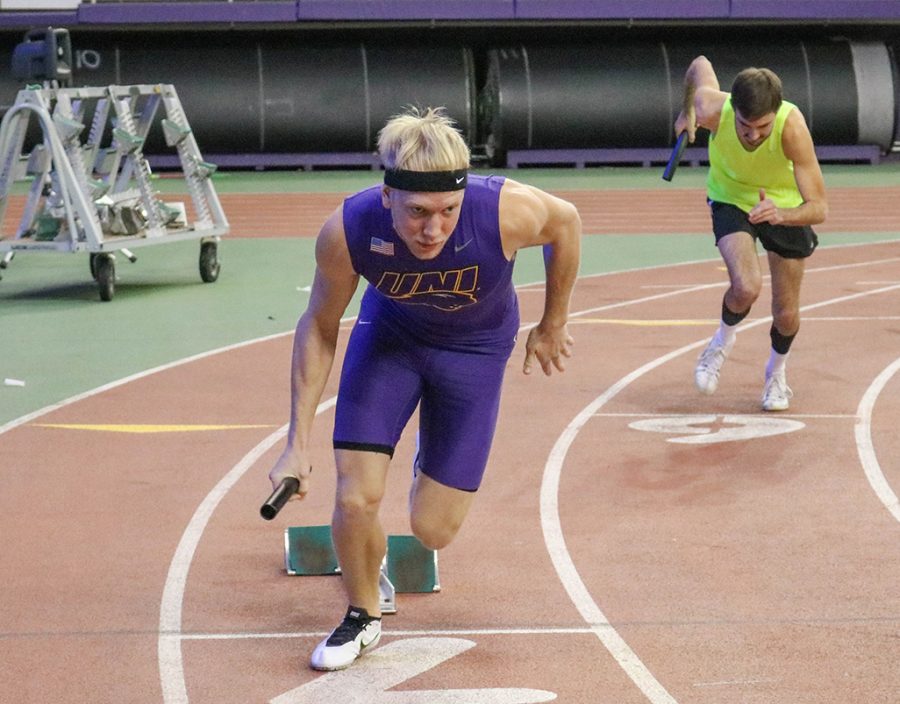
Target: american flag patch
column 382, row 247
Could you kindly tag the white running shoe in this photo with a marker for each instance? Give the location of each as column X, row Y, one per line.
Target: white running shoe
column 357, row 633
column 709, row 364
column 776, row 394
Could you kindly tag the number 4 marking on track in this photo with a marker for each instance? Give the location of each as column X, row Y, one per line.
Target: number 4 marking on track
column 369, row 678
column 699, row 430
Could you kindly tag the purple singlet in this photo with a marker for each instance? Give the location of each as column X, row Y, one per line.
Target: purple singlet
column 462, row 299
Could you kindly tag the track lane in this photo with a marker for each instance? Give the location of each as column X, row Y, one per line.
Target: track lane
column 235, row 584
column 733, row 572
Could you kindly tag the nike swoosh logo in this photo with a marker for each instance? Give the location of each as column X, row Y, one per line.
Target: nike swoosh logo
column 460, row 247
column 366, row 643
column 460, row 179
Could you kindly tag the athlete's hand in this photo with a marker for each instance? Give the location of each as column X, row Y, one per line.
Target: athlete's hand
column 765, row 211
column 292, row 464
column 550, row 346
column 687, row 122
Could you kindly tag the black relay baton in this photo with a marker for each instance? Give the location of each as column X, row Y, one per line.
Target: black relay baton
column 677, row 151
column 286, row 489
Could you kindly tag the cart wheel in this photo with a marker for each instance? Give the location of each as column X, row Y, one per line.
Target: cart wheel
column 93, row 264
column 209, row 262
column 106, row 276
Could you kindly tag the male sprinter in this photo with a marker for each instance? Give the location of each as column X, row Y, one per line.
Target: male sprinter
column 436, row 326
column 764, row 183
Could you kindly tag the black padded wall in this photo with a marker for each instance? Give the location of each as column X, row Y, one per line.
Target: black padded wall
column 281, row 96
column 576, row 96
column 275, row 93
column 628, row 95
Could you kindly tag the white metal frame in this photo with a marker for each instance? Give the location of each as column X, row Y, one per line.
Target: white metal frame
column 73, row 178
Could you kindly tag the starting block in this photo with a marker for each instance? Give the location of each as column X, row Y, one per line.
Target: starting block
column 409, row 567
column 308, row 551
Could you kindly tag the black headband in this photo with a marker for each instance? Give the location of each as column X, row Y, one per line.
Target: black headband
column 426, row 181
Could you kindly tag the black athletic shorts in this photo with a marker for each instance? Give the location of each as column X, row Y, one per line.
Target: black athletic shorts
column 790, row 242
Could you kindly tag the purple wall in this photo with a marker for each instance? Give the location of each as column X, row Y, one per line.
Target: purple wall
column 288, row 11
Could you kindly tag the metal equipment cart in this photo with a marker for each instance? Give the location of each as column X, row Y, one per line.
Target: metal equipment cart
column 91, row 190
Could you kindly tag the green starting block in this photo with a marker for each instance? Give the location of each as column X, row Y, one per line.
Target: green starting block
column 308, row 550
column 409, row 567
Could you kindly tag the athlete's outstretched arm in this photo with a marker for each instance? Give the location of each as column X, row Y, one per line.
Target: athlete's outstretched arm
column 531, row 217
column 315, row 340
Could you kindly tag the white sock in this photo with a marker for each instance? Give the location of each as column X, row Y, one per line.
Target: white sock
column 726, row 334
column 776, row 363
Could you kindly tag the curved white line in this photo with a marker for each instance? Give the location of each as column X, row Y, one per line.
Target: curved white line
column 171, row 666
column 552, row 526
column 559, row 553
column 864, row 444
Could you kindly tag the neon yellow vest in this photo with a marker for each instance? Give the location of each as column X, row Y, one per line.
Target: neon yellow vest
column 736, row 175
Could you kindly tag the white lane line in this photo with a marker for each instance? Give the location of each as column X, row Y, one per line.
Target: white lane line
column 856, row 265
column 851, row 318
column 733, row 683
column 171, row 666
column 559, row 553
column 398, row 633
column 864, row 444
column 809, row 270
column 723, row 284
column 823, row 416
column 22, row 420
column 552, row 526
column 662, row 322
column 541, row 631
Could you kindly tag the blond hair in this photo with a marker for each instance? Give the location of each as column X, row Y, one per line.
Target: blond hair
column 422, row 140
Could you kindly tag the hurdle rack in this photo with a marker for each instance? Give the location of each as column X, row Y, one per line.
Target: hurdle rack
column 92, row 190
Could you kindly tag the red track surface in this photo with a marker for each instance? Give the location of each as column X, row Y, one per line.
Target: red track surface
column 602, row 212
column 758, row 570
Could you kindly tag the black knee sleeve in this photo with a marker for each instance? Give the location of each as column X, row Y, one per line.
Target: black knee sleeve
column 781, row 343
column 730, row 318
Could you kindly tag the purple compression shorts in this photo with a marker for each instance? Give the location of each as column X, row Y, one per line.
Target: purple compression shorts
column 387, row 372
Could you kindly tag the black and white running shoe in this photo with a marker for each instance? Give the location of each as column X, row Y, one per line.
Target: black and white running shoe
column 357, row 633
